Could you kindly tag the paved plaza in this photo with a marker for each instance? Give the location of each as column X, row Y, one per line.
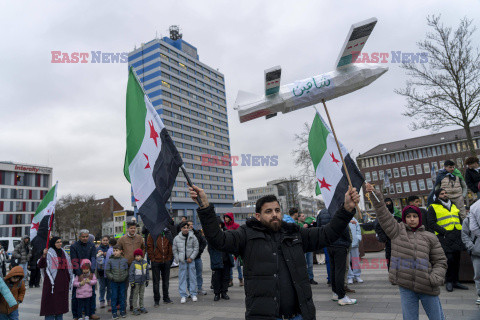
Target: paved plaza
column 377, row 299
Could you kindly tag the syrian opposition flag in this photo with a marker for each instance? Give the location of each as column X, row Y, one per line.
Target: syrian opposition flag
column 41, row 222
column 332, row 181
column 151, row 160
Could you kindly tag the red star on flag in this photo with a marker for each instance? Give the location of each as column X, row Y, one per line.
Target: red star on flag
column 153, row 133
column 148, row 163
column 35, row 226
column 333, row 158
column 324, row 184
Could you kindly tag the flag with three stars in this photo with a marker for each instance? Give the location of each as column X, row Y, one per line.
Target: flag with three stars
column 41, row 219
column 151, row 159
column 332, row 182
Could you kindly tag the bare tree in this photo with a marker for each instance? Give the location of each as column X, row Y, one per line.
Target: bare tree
column 303, row 161
column 446, row 90
column 76, row 212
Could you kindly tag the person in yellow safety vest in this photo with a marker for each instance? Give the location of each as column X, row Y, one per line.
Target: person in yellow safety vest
column 444, row 220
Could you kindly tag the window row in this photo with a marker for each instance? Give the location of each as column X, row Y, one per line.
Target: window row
column 206, row 168
column 23, row 179
column 8, row 193
column 170, row 124
column 402, row 171
column 18, row 206
column 167, row 72
column 187, row 102
column 182, row 194
column 190, row 62
column 194, row 121
column 9, row 219
column 445, row 149
column 205, row 186
column 200, row 176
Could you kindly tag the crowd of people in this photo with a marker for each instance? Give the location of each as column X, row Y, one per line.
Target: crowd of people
column 278, row 251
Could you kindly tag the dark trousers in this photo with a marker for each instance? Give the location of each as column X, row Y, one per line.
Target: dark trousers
column 127, row 285
column 35, row 277
column 84, row 305
column 453, row 263
column 220, row 280
column 338, row 265
column 118, row 296
column 163, row 270
column 93, row 305
column 388, row 252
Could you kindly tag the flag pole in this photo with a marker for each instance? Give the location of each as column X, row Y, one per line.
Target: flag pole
column 184, row 171
column 49, row 228
column 340, row 152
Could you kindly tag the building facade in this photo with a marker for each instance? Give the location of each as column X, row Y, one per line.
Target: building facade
column 190, row 97
column 22, row 188
column 408, row 167
column 287, row 194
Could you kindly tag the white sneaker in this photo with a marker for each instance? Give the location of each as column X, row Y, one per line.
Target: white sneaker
column 359, row 280
column 194, row 298
column 346, row 301
column 478, row 300
column 350, row 281
column 183, row 300
column 334, row 297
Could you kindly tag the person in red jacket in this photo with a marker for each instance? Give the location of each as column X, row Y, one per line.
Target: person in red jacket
column 230, row 224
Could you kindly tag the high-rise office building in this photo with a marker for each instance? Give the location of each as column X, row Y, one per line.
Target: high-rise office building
column 23, row 187
column 190, row 98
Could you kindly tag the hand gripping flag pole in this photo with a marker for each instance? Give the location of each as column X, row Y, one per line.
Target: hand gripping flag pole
column 184, row 171
column 341, row 155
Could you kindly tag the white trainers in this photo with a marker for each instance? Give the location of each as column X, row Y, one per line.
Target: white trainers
column 183, row 300
column 359, row 280
column 194, row 298
column 334, row 297
column 478, row 300
column 350, row 281
column 346, row 301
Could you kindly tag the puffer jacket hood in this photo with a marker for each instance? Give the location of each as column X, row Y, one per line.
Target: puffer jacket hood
column 231, row 225
column 15, row 272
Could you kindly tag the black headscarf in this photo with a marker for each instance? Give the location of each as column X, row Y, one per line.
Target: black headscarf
column 389, row 206
column 51, row 244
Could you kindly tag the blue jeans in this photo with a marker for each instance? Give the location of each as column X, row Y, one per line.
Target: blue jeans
column 11, row 316
column 354, row 270
column 327, row 262
column 25, row 271
column 186, row 272
column 431, row 305
column 239, row 270
column 299, row 317
column 198, row 272
column 309, row 258
column 118, row 296
column 55, row 317
column 104, row 288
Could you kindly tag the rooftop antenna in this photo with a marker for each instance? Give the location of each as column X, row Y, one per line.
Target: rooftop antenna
column 175, row 32
column 156, row 34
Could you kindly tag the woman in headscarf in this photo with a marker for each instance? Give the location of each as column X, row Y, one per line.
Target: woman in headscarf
column 58, row 276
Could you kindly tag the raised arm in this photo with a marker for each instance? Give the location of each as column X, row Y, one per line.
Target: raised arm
column 231, row 241
column 314, row 239
column 388, row 223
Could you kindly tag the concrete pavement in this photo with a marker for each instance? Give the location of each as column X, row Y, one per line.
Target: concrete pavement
column 377, row 299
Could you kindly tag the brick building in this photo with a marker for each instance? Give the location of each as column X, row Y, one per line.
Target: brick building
column 411, row 164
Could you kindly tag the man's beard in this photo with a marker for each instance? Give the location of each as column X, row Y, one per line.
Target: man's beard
column 273, row 224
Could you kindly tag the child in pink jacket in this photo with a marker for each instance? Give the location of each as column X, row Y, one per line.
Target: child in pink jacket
column 84, row 285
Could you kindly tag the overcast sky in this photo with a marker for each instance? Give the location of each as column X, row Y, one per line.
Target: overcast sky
column 72, row 116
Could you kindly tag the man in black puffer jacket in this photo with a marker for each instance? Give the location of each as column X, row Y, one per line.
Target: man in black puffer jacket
column 338, row 253
column 276, row 279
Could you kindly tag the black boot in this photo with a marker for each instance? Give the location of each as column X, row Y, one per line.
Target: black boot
column 216, row 298
column 225, row 296
column 458, row 285
column 449, row 286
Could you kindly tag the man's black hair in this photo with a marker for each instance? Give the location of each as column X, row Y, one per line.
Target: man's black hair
column 112, row 241
column 131, row 224
column 412, row 198
column 263, row 200
column 448, row 163
column 292, row 211
column 183, row 224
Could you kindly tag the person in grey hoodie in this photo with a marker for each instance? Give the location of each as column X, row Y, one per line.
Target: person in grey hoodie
column 185, row 249
column 470, row 237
